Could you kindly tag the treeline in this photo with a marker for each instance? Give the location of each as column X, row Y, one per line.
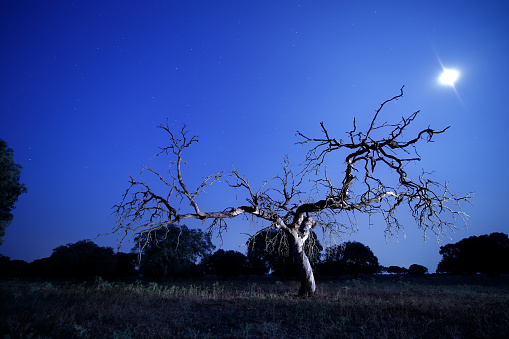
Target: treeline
column 177, row 251
column 83, row 259
column 477, row 254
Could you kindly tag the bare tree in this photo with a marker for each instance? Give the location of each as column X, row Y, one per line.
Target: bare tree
column 289, row 205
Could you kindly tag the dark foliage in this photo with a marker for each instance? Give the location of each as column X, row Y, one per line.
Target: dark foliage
column 351, row 258
column 10, row 187
column 126, row 264
column 256, row 262
column 396, row 270
column 80, row 260
column 83, row 259
column 44, row 268
column 272, row 250
column 226, row 263
column 12, row 268
column 415, row 269
column 477, row 254
column 172, row 251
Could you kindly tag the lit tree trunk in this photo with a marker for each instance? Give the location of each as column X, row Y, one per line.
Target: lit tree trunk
column 306, row 277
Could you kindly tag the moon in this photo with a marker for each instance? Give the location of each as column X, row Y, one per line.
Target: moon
column 449, row 77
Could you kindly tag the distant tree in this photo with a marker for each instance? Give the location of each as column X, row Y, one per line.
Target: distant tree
column 476, row 254
column 396, row 270
column 10, row 187
column 12, row 268
column 273, row 249
column 417, row 270
column 227, row 263
column 172, row 251
column 126, row 264
column 316, row 194
column 43, row 267
column 4, row 263
column 257, row 263
column 352, row 258
column 82, row 259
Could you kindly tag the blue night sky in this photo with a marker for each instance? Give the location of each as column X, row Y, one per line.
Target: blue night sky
column 85, row 83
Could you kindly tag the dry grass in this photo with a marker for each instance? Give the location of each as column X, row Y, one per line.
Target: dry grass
column 351, row 309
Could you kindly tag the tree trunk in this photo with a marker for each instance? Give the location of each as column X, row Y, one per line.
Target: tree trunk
column 306, row 277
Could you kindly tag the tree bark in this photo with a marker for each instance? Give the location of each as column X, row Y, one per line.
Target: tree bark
column 306, row 277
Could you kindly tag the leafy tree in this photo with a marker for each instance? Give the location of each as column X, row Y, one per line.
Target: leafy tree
column 227, row 263
column 4, row 264
column 272, row 250
column 352, row 258
column 82, row 259
column 257, row 264
column 295, row 202
column 126, row 264
column 172, row 251
column 12, row 268
column 10, row 187
column 43, row 267
column 476, row 254
column 415, row 269
column 396, row 270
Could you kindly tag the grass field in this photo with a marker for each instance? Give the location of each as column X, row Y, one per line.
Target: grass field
column 371, row 308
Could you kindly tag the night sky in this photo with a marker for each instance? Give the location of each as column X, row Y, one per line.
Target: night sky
column 85, row 83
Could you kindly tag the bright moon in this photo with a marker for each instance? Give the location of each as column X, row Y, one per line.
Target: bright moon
column 449, row 76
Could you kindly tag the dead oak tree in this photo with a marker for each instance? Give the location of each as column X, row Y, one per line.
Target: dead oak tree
column 284, row 204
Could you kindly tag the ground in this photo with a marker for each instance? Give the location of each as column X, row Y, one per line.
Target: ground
column 372, row 307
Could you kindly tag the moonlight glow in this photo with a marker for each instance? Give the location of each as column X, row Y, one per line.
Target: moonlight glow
column 449, row 76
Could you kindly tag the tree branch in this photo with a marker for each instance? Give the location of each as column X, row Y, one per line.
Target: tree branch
column 280, row 200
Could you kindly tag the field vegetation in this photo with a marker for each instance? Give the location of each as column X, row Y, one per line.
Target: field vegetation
column 372, row 307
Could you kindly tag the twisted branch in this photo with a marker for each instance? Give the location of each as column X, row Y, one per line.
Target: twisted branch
column 282, row 201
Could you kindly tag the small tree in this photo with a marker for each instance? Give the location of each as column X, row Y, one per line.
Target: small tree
column 126, row 264
column 226, row 263
column 416, row 269
column 257, row 263
column 274, row 249
column 282, row 201
column 172, row 251
column 83, row 259
column 10, row 187
column 12, row 268
column 396, row 270
column 352, row 258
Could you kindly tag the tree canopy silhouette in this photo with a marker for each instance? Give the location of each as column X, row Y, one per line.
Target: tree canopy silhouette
column 227, row 263
column 272, row 249
column 477, row 254
column 82, row 259
column 352, row 258
column 10, row 187
column 416, row 269
column 289, row 204
column 396, row 270
column 12, row 268
column 172, row 251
